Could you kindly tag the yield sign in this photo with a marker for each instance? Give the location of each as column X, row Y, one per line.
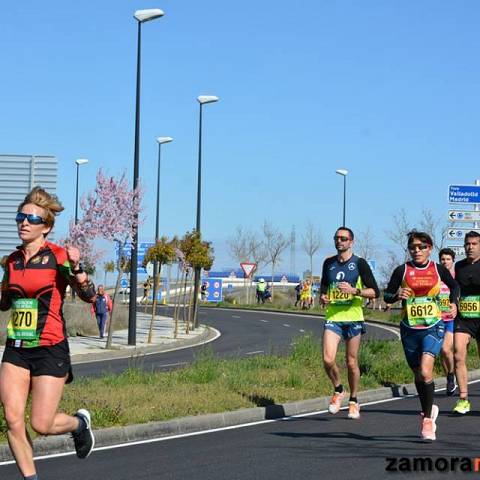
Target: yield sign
column 248, row 268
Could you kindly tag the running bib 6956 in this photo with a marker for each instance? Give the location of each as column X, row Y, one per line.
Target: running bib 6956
column 23, row 319
column 422, row 311
column 337, row 297
column 470, row 306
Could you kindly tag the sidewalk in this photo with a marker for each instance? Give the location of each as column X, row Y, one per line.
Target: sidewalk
column 92, row 348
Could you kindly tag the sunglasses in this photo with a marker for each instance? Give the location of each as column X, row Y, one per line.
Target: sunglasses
column 342, row 239
column 415, row 247
column 32, row 219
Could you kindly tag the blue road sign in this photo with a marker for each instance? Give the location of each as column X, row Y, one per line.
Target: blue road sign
column 464, row 193
column 124, row 283
column 142, row 250
column 214, row 289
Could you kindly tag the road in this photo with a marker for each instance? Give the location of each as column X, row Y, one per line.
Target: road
column 316, row 446
column 243, row 333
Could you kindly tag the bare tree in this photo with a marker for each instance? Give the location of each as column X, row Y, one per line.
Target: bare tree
column 365, row 244
column 257, row 251
column 311, row 243
column 435, row 227
column 238, row 245
column 275, row 243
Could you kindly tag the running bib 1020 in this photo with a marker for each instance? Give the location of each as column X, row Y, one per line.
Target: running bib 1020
column 470, row 306
column 337, row 297
column 444, row 301
column 23, row 319
column 422, row 311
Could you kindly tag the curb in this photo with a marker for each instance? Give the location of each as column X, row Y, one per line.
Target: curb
column 208, row 334
column 118, row 435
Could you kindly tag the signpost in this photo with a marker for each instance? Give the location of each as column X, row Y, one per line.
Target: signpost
column 459, row 233
column 142, row 250
column 214, row 292
column 464, row 193
column 463, row 216
column 248, row 269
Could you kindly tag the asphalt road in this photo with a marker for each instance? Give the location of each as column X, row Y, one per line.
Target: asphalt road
column 243, row 333
column 313, row 447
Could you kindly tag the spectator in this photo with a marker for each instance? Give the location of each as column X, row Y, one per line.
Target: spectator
column 101, row 308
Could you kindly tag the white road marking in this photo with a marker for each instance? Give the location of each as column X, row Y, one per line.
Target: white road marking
column 264, row 321
column 213, row 430
column 389, row 329
column 302, row 330
column 236, row 316
column 286, row 325
column 253, row 353
column 173, row 364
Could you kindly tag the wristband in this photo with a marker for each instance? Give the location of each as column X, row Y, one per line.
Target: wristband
column 358, row 292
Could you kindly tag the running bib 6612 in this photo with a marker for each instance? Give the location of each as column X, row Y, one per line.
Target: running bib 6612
column 422, row 311
column 23, row 319
column 470, row 306
column 337, row 297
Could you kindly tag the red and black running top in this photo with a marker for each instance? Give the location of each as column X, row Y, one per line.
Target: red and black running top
column 34, row 292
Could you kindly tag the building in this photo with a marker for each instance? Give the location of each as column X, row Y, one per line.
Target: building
column 18, row 175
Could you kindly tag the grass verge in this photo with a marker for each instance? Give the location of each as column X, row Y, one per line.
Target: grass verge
column 212, row 385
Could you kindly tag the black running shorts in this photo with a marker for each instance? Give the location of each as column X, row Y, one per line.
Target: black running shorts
column 468, row 325
column 53, row 361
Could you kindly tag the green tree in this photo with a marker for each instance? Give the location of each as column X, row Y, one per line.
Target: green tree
column 199, row 254
column 108, row 267
column 163, row 253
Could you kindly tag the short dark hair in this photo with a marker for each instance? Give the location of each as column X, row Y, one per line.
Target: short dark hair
column 446, row 251
column 350, row 231
column 422, row 236
column 471, row 234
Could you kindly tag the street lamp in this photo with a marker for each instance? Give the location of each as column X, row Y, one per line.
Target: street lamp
column 202, row 100
column 160, row 141
column 344, row 174
column 141, row 16
column 80, row 161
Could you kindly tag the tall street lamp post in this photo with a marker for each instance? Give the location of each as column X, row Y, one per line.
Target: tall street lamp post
column 142, row 16
column 202, row 100
column 80, row 161
column 160, row 141
column 344, row 174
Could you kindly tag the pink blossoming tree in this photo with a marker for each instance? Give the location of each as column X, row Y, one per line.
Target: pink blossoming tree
column 111, row 212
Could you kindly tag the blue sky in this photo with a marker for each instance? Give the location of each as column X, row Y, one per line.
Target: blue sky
column 386, row 89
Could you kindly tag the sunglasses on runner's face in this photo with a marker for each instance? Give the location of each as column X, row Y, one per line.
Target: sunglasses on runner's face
column 32, row 219
column 342, row 239
column 417, row 246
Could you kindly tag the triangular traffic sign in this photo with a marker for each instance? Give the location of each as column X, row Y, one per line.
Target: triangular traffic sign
column 248, row 268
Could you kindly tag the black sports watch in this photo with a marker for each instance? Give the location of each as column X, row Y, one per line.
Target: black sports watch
column 78, row 270
column 358, row 293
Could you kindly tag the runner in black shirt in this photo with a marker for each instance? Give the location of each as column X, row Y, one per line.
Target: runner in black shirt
column 467, row 324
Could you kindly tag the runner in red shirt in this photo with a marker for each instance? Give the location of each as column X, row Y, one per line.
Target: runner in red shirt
column 36, row 359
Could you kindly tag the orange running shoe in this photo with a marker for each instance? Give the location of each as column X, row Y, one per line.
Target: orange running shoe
column 353, row 410
column 336, row 402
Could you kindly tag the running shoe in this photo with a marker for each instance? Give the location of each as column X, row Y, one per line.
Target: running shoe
column 451, row 384
column 336, row 402
column 84, row 440
column 429, row 425
column 353, row 410
column 462, row 406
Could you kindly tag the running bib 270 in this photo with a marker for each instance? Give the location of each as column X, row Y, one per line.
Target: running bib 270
column 23, row 319
column 422, row 311
column 470, row 306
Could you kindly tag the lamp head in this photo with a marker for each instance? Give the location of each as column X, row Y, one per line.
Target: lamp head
column 202, row 99
column 161, row 140
column 81, row 161
column 146, row 15
column 342, row 172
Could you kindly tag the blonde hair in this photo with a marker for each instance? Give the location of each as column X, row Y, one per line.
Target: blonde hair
column 41, row 198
